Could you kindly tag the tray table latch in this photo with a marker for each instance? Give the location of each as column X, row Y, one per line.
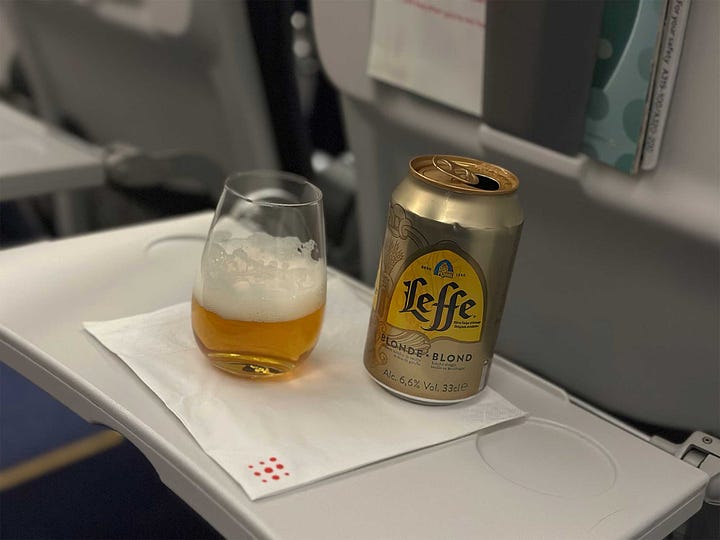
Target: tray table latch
column 703, row 451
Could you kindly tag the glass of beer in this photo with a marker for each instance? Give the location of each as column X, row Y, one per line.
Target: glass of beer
column 259, row 295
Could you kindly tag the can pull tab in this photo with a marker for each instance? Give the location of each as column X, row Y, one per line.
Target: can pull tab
column 455, row 171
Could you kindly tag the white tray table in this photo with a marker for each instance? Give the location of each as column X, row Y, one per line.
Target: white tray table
column 561, row 473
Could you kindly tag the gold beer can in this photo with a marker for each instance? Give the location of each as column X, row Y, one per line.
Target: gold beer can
column 452, row 232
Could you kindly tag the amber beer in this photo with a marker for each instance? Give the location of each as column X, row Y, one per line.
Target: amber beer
column 452, row 232
column 257, row 348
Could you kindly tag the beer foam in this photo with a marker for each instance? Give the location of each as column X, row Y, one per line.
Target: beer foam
column 261, row 278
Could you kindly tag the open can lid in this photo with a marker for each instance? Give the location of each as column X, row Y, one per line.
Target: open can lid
column 463, row 174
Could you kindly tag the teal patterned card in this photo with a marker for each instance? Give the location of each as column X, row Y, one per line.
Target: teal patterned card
column 622, row 82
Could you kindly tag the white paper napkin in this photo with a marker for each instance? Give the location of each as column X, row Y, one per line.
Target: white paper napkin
column 271, row 436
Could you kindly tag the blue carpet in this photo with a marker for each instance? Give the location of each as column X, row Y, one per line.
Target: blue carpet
column 32, row 422
column 114, row 494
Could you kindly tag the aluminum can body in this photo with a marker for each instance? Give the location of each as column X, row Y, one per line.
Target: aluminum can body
column 453, row 229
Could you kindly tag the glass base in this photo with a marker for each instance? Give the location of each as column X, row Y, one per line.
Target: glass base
column 251, row 366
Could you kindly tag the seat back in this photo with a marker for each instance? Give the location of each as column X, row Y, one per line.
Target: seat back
column 160, row 75
column 615, row 292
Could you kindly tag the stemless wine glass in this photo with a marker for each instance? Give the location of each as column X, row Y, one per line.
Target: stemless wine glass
column 259, row 295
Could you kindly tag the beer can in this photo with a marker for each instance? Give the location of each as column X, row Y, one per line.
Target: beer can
column 453, row 229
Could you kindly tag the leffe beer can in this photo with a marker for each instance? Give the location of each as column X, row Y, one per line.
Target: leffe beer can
column 452, row 232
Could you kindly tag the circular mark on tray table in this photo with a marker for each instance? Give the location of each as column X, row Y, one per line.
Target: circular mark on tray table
column 548, row 458
column 176, row 246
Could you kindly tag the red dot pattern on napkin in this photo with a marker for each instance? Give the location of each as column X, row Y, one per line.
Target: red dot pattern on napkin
column 270, row 468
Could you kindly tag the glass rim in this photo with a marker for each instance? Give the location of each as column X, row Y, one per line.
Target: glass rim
column 283, row 176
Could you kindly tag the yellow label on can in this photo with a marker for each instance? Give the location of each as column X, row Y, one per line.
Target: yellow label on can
column 440, row 295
